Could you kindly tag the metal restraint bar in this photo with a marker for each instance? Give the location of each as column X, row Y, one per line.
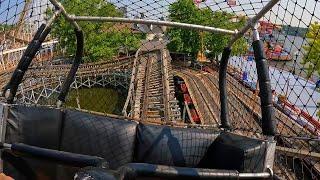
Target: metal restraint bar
column 268, row 124
column 3, row 127
column 223, row 90
column 135, row 170
column 58, row 5
column 267, row 110
column 155, row 22
column 68, row 158
column 11, row 88
column 78, row 57
column 73, row 19
column 74, row 68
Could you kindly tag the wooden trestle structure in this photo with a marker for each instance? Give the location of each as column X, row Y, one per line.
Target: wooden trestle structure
column 151, row 94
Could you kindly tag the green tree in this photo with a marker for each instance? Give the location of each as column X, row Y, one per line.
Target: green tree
column 184, row 40
column 102, row 40
column 4, row 27
column 189, row 41
column 312, row 58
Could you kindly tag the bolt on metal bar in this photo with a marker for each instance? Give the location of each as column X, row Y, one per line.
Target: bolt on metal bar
column 154, row 22
column 52, row 19
column 253, row 21
column 59, row 6
column 255, row 35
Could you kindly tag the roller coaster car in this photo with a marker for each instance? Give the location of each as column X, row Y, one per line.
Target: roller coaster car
column 121, row 149
column 47, row 143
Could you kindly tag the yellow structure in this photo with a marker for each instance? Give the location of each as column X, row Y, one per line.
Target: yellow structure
column 201, row 57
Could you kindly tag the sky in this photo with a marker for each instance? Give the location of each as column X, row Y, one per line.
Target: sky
column 287, row 12
column 10, row 10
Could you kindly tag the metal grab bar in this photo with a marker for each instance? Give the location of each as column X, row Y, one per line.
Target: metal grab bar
column 11, row 88
column 268, row 120
column 223, row 90
column 75, row 66
column 267, row 111
column 135, row 170
column 77, row 160
column 73, row 20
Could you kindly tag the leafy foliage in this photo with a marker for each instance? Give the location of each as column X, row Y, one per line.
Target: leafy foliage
column 4, row 27
column 102, row 40
column 312, row 57
column 187, row 41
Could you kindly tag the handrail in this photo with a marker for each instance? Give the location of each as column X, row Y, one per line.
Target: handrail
column 11, row 88
column 131, row 87
column 72, row 73
column 223, row 90
column 268, row 123
column 73, row 20
column 134, row 170
column 25, row 47
column 68, row 158
column 165, row 82
column 268, row 120
column 154, row 22
column 267, row 110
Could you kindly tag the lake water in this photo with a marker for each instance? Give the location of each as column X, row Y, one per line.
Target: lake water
column 294, row 45
column 99, row 99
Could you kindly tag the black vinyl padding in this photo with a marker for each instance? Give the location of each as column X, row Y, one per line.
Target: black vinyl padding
column 267, row 110
column 122, row 142
column 111, row 139
column 36, row 126
column 234, row 152
column 172, row 146
column 223, row 88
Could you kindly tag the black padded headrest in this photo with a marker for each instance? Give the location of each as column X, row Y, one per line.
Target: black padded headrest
column 172, row 146
column 234, row 152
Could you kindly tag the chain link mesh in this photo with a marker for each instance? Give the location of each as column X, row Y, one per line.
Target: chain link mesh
column 290, row 32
